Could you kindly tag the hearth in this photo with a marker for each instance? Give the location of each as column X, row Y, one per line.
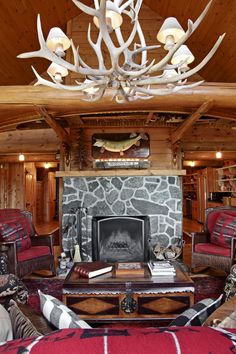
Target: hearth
column 120, row 238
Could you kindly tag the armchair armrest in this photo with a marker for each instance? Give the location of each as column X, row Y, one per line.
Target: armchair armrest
column 200, row 237
column 9, row 249
column 43, row 240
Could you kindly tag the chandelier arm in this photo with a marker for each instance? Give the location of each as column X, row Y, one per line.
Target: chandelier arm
column 88, row 10
column 134, row 74
column 154, row 80
column 125, row 5
column 95, row 97
column 114, row 51
column 166, row 91
column 121, row 42
column 55, row 84
column 46, row 53
column 191, row 28
column 97, row 48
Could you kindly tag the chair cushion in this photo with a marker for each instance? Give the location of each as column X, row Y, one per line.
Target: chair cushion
column 211, row 248
column 16, row 230
column 33, row 252
column 198, row 313
column 58, row 314
column 224, row 229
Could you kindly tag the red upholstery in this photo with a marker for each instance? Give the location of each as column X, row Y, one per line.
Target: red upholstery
column 184, row 340
column 212, row 217
column 216, row 245
column 211, row 248
column 33, row 252
column 25, row 250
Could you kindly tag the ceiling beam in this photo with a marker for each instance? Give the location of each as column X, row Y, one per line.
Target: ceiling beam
column 61, row 132
column 187, row 123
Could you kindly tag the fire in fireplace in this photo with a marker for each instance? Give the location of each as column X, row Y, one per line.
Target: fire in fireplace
column 120, row 238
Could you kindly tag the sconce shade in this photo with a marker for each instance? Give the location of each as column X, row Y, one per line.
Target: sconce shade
column 21, row 157
column 170, row 27
column 57, row 71
column 218, row 154
column 182, row 54
column 57, row 39
column 113, row 17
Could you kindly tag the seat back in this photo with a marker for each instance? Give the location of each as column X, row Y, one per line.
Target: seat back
column 16, row 225
column 212, row 215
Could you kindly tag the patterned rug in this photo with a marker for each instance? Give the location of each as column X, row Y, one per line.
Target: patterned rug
column 205, row 286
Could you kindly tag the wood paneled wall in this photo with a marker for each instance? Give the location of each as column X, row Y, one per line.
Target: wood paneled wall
column 12, row 182
column 161, row 155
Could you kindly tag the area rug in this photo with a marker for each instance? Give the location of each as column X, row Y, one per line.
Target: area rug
column 205, row 286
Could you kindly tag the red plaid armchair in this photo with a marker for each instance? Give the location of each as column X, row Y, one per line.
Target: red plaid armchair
column 216, row 245
column 26, row 251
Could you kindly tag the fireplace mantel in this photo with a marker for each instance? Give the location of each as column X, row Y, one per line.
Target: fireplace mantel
column 120, row 172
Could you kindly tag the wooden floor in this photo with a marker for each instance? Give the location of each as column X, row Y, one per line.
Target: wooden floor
column 189, row 226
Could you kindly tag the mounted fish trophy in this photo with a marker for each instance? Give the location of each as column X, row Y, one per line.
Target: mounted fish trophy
column 134, row 145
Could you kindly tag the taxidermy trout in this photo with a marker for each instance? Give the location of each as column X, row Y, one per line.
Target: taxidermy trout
column 120, row 146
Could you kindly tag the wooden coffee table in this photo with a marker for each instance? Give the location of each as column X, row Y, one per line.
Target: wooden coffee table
column 108, row 298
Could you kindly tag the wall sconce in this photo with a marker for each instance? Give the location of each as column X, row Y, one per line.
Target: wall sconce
column 192, row 163
column 46, row 165
column 218, row 154
column 21, row 157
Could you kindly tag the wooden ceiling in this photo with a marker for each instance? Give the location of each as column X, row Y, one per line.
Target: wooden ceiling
column 20, row 101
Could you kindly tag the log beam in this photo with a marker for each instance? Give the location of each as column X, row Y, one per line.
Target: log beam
column 180, row 131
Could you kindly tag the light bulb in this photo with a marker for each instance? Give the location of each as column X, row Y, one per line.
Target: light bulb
column 21, row 157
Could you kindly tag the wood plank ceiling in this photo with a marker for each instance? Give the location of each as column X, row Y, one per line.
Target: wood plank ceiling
column 18, row 104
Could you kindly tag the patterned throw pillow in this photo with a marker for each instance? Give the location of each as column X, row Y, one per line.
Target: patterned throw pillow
column 224, row 229
column 10, row 284
column 15, row 230
column 198, row 313
column 58, row 314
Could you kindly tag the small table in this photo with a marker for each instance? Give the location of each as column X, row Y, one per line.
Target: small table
column 108, row 298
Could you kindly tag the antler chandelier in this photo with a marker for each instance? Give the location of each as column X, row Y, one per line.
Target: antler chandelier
column 130, row 74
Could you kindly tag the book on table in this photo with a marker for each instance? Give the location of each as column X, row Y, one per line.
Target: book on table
column 161, row 268
column 129, row 269
column 92, row 269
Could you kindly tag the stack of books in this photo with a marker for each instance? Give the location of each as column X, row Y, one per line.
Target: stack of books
column 129, row 269
column 158, row 268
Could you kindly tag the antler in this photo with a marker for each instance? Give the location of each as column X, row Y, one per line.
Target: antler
column 131, row 80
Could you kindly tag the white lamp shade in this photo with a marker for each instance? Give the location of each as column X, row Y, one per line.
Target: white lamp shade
column 170, row 27
column 55, row 69
column 57, row 37
column 113, row 16
column 182, row 54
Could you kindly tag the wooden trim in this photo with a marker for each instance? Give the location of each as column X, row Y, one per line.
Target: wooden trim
column 119, row 172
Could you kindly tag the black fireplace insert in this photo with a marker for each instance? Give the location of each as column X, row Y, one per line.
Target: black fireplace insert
column 120, row 238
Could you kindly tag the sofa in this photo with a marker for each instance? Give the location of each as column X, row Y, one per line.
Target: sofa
column 34, row 333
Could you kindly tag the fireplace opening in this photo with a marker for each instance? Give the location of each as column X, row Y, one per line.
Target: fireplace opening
column 120, row 238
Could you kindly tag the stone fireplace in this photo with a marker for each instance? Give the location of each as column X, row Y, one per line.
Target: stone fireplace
column 88, row 200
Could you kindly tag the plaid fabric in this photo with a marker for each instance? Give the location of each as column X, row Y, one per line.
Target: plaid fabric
column 198, row 313
column 225, row 228
column 16, row 230
column 58, row 314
